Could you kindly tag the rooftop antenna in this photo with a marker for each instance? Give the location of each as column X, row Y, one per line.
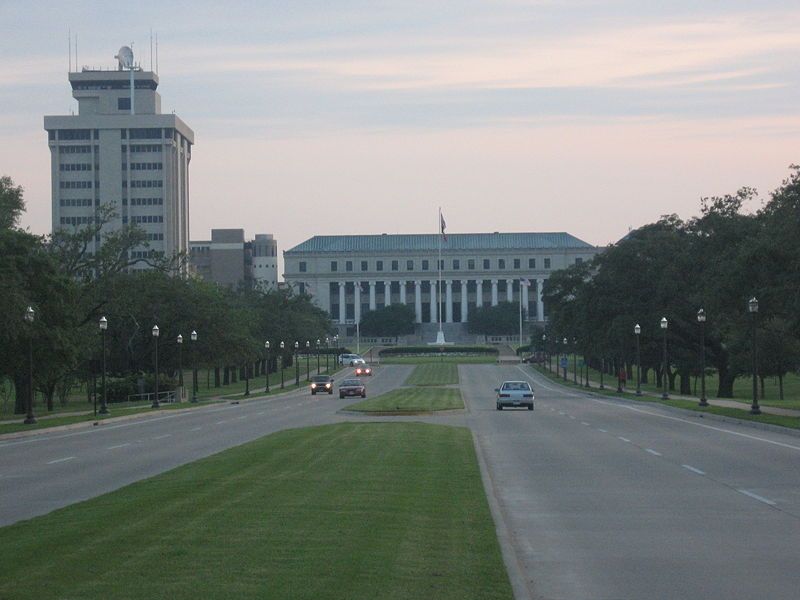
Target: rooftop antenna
column 69, row 48
column 125, row 58
column 156, row 52
column 151, row 48
column 76, row 51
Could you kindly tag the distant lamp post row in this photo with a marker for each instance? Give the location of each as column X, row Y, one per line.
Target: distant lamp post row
column 266, row 367
column 29, row 317
column 701, row 319
column 637, row 330
column 752, row 307
column 664, row 324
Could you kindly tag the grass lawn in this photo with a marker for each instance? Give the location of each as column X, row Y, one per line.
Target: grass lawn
column 434, row 374
column 420, row 360
column 348, row 511
column 406, row 400
column 743, row 414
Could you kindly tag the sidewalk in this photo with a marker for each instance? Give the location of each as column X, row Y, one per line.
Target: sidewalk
column 612, row 382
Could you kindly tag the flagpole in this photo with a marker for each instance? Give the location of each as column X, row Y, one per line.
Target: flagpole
column 520, row 313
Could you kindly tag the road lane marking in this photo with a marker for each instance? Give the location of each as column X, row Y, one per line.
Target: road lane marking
column 694, row 469
column 119, row 446
column 220, row 422
column 584, row 423
column 571, row 417
column 196, row 429
column 161, row 437
column 757, row 497
column 653, row 452
column 260, row 414
column 561, row 412
column 59, row 460
column 626, row 440
column 603, row 430
column 242, row 417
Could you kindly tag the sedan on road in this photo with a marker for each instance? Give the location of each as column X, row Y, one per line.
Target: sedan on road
column 352, row 387
column 363, row 370
column 321, row 384
column 514, row 393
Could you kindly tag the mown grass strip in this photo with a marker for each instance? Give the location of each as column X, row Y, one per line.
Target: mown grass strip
column 355, row 510
column 434, row 374
column 418, row 360
column 414, row 400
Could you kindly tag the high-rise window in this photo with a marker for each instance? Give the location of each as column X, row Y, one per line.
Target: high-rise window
column 379, row 265
column 334, row 266
column 471, row 264
column 531, row 263
column 395, row 265
column 348, row 265
column 409, row 265
column 546, row 263
column 303, row 267
column 486, row 264
column 501, row 263
column 424, row 265
column 364, row 265
column 516, row 263
column 456, row 264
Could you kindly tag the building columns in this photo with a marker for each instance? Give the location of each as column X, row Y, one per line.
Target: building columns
column 523, row 288
column 403, row 293
column 464, row 302
column 387, row 293
column 449, row 301
column 479, row 293
column 372, row 304
column 434, row 303
column 539, row 303
column 510, row 290
column 357, row 301
column 494, row 292
column 342, row 303
column 418, row 301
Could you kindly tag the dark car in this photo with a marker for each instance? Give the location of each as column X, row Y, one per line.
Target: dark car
column 352, row 387
column 363, row 370
column 322, row 384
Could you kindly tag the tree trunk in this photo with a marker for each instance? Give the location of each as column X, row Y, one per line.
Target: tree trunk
column 49, row 395
column 216, row 377
column 20, row 394
column 725, row 387
column 672, row 375
column 226, row 376
column 780, row 386
column 645, row 372
column 686, row 382
column 234, row 372
column 762, row 378
column 659, row 373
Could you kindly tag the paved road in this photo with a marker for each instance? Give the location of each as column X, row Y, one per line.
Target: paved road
column 602, row 499
column 613, row 500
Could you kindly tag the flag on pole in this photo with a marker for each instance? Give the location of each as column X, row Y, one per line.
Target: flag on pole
column 525, row 281
column 442, row 225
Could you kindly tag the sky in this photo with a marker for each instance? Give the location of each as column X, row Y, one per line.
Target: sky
column 349, row 117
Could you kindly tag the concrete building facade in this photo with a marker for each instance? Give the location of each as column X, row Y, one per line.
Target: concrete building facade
column 228, row 259
column 120, row 151
column 349, row 275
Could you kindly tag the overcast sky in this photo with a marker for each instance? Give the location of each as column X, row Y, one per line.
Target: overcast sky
column 345, row 117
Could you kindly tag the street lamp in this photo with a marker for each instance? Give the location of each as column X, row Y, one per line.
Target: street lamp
column 29, row 316
column 179, row 339
column 318, row 343
column 103, row 328
column 544, row 347
column 283, row 362
column 637, row 331
column 246, row 378
column 308, row 356
column 296, row 365
column 574, row 360
column 701, row 318
column 155, row 337
column 266, row 376
column 193, row 337
column 327, row 353
column 752, row 307
column 566, row 358
column 664, row 394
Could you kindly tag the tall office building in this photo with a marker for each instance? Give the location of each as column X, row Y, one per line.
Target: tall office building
column 228, row 259
column 120, row 150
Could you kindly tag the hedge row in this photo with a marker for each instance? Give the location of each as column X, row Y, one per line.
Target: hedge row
column 395, row 350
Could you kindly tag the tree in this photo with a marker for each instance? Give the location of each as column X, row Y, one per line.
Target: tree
column 390, row 321
column 502, row 319
column 12, row 204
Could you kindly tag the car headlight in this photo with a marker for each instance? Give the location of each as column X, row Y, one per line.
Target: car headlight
column 327, row 385
column 313, row 385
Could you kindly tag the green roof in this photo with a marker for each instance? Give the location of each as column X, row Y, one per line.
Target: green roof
column 430, row 242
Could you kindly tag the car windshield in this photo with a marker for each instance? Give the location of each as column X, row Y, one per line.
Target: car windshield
column 516, row 386
column 321, row 379
column 351, row 382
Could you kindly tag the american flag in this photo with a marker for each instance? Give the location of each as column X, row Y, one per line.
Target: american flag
column 442, row 226
column 525, row 281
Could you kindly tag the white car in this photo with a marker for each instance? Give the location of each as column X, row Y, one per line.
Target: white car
column 351, row 359
column 515, row 393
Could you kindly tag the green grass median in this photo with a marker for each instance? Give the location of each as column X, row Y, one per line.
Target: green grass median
column 411, row 400
column 434, row 374
column 367, row 510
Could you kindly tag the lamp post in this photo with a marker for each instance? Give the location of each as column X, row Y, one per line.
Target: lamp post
column 296, row 365
column 566, row 357
column 193, row 337
column 637, row 331
column 574, row 360
column 155, row 332
column 327, row 352
column 179, row 339
column 266, row 369
column 557, row 353
column 664, row 394
column 544, row 347
column 308, row 356
column 103, row 401
column 29, row 317
column 283, row 362
column 602, row 372
column 246, row 378
column 318, row 343
column 752, row 307
column 701, row 318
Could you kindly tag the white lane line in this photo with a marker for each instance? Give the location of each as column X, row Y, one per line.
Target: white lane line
column 561, row 412
column 584, row 423
column 260, row 414
column 653, row 452
column 196, row 429
column 58, row 460
column 242, row 417
column 161, row 437
column 118, row 446
column 757, row 497
column 571, row 417
column 220, row 422
column 626, row 440
column 694, row 469
column 603, row 430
